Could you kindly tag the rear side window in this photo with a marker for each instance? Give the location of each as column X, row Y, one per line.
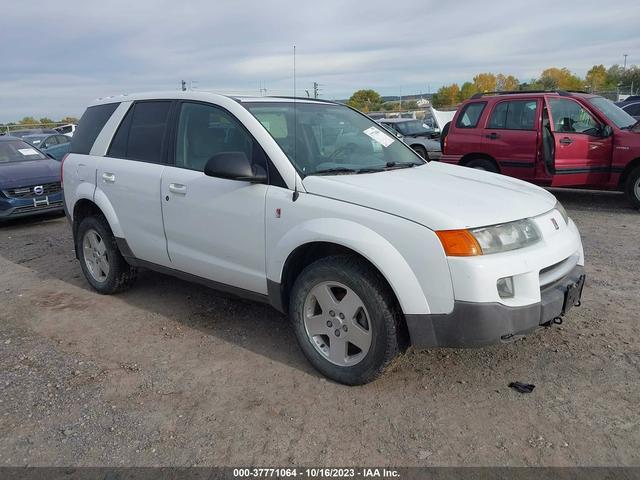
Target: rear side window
column 470, row 115
column 142, row 133
column 633, row 109
column 89, row 127
column 514, row 115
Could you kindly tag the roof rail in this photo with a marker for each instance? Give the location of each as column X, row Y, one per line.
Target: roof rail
column 320, row 100
column 563, row 93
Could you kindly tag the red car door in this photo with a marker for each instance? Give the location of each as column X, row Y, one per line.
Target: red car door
column 581, row 155
column 511, row 136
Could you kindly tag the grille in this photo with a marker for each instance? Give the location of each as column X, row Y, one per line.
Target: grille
column 555, row 272
column 27, row 191
column 31, row 208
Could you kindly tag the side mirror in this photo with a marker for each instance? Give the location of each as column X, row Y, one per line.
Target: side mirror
column 234, row 166
column 607, row 131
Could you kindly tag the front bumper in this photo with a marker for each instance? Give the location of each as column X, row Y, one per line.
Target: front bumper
column 23, row 207
column 474, row 324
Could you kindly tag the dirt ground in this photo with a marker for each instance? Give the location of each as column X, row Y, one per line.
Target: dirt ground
column 170, row 373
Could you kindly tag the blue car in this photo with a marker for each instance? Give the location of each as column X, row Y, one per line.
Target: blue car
column 55, row 145
column 29, row 180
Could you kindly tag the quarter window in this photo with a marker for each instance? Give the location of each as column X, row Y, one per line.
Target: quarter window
column 514, row 115
column 470, row 115
column 205, row 130
column 570, row 117
column 142, row 132
column 633, row 109
column 89, row 127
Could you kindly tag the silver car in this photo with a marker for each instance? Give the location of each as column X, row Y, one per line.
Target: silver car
column 418, row 134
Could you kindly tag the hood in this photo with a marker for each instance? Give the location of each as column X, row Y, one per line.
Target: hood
column 20, row 174
column 437, row 195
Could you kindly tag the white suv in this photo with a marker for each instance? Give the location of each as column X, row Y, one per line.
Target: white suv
column 313, row 208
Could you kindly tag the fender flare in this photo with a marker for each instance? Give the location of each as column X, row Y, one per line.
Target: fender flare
column 103, row 203
column 362, row 240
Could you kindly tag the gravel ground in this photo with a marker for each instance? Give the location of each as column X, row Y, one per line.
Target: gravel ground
column 169, row 373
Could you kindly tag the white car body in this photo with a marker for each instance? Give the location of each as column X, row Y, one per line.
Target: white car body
column 239, row 236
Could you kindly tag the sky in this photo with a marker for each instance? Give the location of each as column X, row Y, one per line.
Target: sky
column 57, row 57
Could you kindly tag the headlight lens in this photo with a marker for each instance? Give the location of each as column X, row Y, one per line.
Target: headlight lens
column 563, row 212
column 508, row 236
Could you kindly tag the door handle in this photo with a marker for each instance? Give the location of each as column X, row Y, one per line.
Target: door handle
column 108, row 177
column 493, row 136
column 566, row 141
column 178, row 188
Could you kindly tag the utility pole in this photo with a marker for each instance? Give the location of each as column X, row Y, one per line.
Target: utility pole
column 625, row 61
column 184, row 86
column 316, row 89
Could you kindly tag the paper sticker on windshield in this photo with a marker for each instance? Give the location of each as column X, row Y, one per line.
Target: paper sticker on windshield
column 27, row 151
column 379, row 136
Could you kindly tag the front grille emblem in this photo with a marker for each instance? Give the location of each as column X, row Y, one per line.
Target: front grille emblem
column 38, row 189
column 555, row 224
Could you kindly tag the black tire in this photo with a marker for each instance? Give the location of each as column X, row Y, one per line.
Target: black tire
column 420, row 150
column 388, row 333
column 443, row 135
column 632, row 187
column 121, row 275
column 482, row 164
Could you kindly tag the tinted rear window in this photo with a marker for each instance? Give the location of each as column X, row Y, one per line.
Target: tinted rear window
column 141, row 133
column 470, row 115
column 89, row 127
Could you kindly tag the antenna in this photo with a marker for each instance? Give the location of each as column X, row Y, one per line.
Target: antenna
column 295, row 131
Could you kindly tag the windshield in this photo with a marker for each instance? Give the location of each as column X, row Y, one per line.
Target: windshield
column 614, row 113
column 414, row 127
column 329, row 138
column 17, row 151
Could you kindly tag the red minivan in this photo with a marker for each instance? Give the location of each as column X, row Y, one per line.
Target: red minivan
column 557, row 139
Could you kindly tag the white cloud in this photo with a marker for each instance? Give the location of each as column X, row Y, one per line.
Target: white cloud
column 82, row 50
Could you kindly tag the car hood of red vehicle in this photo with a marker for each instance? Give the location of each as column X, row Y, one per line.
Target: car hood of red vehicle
column 437, row 195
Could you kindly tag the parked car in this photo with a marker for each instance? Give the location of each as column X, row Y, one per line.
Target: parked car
column 557, row 139
column 631, row 105
column 57, row 146
column 67, row 129
column 31, row 131
column 312, row 207
column 417, row 134
column 29, row 180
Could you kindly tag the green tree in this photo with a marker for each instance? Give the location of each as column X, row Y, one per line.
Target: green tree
column 365, row 100
column 73, row 120
column 46, row 120
column 560, row 79
column 597, row 78
column 467, row 90
column 446, row 96
column 485, row 82
column 28, row 121
column 506, row 83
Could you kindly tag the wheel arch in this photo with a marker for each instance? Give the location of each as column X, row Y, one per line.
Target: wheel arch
column 630, row 167
column 83, row 208
column 303, row 245
column 478, row 155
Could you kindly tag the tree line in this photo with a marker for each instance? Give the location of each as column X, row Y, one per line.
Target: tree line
column 598, row 79
column 34, row 122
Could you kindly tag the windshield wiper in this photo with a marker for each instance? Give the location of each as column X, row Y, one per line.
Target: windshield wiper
column 338, row 170
column 395, row 165
column 629, row 127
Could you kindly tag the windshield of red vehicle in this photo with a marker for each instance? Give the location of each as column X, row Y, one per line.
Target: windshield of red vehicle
column 18, row 151
column 614, row 113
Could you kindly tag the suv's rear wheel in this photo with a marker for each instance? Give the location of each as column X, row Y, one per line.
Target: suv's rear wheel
column 632, row 187
column 345, row 319
column 482, row 164
column 102, row 264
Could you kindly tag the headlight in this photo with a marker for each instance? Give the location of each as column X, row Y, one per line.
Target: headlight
column 508, row 236
column 563, row 212
column 487, row 240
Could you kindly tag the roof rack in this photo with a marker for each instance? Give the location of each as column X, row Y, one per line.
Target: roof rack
column 562, row 93
column 320, row 100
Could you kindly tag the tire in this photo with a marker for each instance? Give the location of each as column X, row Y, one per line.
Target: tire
column 375, row 325
column 443, row 135
column 632, row 187
column 420, row 150
column 482, row 164
column 107, row 272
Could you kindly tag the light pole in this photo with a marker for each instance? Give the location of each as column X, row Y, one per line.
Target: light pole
column 625, row 61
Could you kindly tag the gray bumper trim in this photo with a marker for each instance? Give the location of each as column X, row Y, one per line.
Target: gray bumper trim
column 476, row 324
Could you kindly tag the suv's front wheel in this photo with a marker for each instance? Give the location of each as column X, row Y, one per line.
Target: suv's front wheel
column 346, row 319
column 101, row 262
